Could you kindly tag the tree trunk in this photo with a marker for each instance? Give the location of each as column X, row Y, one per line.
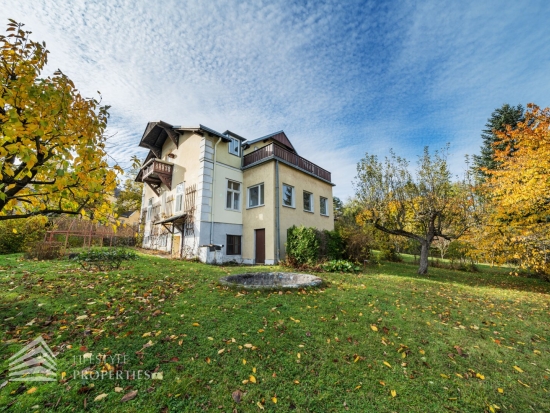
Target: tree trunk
column 424, row 250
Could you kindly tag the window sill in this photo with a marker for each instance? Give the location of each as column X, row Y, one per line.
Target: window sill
column 232, row 210
column 257, row 206
column 309, row 212
column 289, row 206
column 324, row 215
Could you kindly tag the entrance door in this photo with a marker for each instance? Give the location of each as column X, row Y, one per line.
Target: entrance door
column 260, row 246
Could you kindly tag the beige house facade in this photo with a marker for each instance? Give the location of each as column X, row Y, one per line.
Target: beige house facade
column 222, row 198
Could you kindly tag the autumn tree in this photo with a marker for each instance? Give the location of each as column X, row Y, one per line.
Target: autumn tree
column 495, row 136
column 518, row 195
column 420, row 207
column 52, row 143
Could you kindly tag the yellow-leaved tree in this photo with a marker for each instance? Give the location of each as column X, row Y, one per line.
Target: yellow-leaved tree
column 517, row 193
column 52, row 143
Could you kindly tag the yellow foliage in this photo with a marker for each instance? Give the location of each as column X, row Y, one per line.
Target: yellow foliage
column 52, row 143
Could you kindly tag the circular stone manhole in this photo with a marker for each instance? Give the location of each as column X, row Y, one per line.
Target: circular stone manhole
column 271, row 280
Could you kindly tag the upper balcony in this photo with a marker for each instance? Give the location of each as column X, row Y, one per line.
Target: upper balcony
column 274, row 151
column 156, row 172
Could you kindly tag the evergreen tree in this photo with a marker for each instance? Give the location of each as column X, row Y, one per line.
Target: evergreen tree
column 499, row 120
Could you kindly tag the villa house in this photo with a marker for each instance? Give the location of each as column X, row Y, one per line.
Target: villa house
column 220, row 197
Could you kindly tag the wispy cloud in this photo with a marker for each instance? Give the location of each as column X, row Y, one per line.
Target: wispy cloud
column 341, row 78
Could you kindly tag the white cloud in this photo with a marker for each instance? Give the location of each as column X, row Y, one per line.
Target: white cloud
column 341, row 78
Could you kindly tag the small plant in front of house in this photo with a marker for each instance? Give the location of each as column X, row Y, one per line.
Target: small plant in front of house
column 104, row 259
column 340, row 266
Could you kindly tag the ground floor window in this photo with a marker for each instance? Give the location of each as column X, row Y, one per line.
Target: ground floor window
column 233, row 245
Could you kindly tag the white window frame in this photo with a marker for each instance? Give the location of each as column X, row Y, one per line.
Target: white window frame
column 180, row 192
column 310, row 202
column 261, row 195
column 234, row 144
column 149, row 210
column 293, row 196
column 321, row 206
column 233, row 192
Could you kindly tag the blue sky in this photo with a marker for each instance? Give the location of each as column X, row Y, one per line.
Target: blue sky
column 341, row 78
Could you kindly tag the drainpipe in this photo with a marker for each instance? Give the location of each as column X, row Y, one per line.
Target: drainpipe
column 213, row 198
column 277, row 223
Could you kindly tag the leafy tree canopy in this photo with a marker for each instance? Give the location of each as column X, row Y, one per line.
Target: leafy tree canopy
column 420, row 206
column 52, row 143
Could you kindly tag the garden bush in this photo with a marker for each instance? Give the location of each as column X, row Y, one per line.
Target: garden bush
column 302, row 245
column 340, row 266
column 43, row 250
column 104, row 259
column 17, row 234
column 331, row 245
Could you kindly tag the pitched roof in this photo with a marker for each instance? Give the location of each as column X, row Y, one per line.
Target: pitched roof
column 279, row 136
column 127, row 214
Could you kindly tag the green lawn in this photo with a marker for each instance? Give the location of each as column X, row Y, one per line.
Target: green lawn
column 446, row 342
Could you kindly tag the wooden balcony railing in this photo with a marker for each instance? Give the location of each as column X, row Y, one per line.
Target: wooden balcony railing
column 275, row 151
column 156, row 172
column 157, row 167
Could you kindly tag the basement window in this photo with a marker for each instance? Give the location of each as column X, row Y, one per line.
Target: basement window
column 233, row 245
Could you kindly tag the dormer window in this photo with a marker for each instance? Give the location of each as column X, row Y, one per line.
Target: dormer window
column 235, row 147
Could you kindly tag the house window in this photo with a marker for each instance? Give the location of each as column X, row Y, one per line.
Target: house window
column 233, row 246
column 179, row 197
column 323, row 206
column 234, row 147
column 256, row 195
column 308, row 201
column 149, row 210
column 288, row 195
column 233, row 200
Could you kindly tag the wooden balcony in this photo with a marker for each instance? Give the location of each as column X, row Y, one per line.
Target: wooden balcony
column 274, row 151
column 155, row 173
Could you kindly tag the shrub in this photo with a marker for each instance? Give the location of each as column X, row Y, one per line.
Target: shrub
column 302, row 245
column 18, row 234
column 340, row 266
column 44, row 250
column 331, row 245
column 104, row 259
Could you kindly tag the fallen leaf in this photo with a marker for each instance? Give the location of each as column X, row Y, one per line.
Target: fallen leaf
column 82, row 317
column 252, row 379
column 129, row 396
column 274, row 400
column 118, row 389
column 253, row 369
column 500, row 390
column 393, row 393
column 523, row 384
column 31, row 390
column 260, row 405
column 248, row 345
column 100, row 397
column 244, row 361
column 237, row 395
column 221, row 351
column 518, row 369
column 387, row 364
column 196, row 324
column 373, row 327
column 480, row 376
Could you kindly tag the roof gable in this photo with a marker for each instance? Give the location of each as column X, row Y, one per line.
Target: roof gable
column 279, row 136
